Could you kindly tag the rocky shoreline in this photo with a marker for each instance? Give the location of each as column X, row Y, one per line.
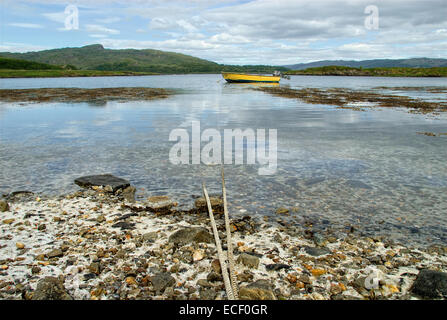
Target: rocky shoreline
column 99, row 243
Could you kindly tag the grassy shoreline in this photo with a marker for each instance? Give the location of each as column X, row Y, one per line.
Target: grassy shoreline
column 10, row 73
column 371, row 72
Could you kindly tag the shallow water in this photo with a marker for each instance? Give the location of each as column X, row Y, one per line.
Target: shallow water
column 336, row 166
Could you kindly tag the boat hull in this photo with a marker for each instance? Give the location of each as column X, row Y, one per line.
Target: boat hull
column 247, row 78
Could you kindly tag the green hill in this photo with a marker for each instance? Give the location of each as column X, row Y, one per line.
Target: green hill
column 18, row 64
column 375, row 63
column 96, row 57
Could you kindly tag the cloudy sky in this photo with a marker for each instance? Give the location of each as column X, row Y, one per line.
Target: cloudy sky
column 234, row 32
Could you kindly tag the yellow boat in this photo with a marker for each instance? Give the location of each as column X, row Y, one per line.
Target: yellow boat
column 245, row 77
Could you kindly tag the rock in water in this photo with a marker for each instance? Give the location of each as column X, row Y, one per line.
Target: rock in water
column 103, row 180
column 216, row 204
column 51, row 288
column 188, row 235
column 430, row 284
column 282, row 210
column 259, row 290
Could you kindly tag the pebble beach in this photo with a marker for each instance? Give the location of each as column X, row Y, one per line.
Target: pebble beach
column 100, row 244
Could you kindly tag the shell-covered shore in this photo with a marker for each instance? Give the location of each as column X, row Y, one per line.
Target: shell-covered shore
column 94, row 244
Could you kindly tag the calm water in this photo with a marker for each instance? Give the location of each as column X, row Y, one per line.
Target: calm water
column 337, row 166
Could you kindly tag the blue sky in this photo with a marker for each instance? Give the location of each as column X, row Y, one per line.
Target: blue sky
column 235, row 32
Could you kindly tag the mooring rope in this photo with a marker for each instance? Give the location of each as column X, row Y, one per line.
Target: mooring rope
column 222, row 258
column 229, row 241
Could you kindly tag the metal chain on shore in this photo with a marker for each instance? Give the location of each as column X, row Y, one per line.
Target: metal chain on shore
column 221, row 256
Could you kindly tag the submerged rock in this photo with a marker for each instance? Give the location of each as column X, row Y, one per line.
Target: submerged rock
column 216, row 205
column 430, row 284
column 102, row 180
column 20, row 195
column 358, row 184
column 313, row 181
column 282, row 210
column 51, row 288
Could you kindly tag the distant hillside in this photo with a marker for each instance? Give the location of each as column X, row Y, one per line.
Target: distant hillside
column 372, row 72
column 96, row 57
column 18, row 64
column 378, row 63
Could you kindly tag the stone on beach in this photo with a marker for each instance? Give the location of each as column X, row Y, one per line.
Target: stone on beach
column 4, row 206
column 316, row 251
column 160, row 204
column 162, row 280
column 277, row 266
column 248, row 260
column 259, row 290
column 20, row 245
column 189, row 235
column 430, row 284
column 129, row 193
column 51, row 288
column 102, row 180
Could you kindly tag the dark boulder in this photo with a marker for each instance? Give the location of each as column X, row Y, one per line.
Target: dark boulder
column 102, row 180
column 430, row 284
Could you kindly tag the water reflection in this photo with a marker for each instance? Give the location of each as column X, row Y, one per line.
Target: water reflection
column 367, row 168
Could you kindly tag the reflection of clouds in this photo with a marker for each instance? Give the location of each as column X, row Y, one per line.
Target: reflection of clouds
column 105, row 120
column 348, row 116
column 69, row 132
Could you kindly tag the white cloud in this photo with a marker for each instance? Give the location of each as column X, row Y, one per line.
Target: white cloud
column 268, row 31
column 56, row 16
column 20, row 47
column 26, row 25
column 100, row 29
column 98, row 36
column 109, row 20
